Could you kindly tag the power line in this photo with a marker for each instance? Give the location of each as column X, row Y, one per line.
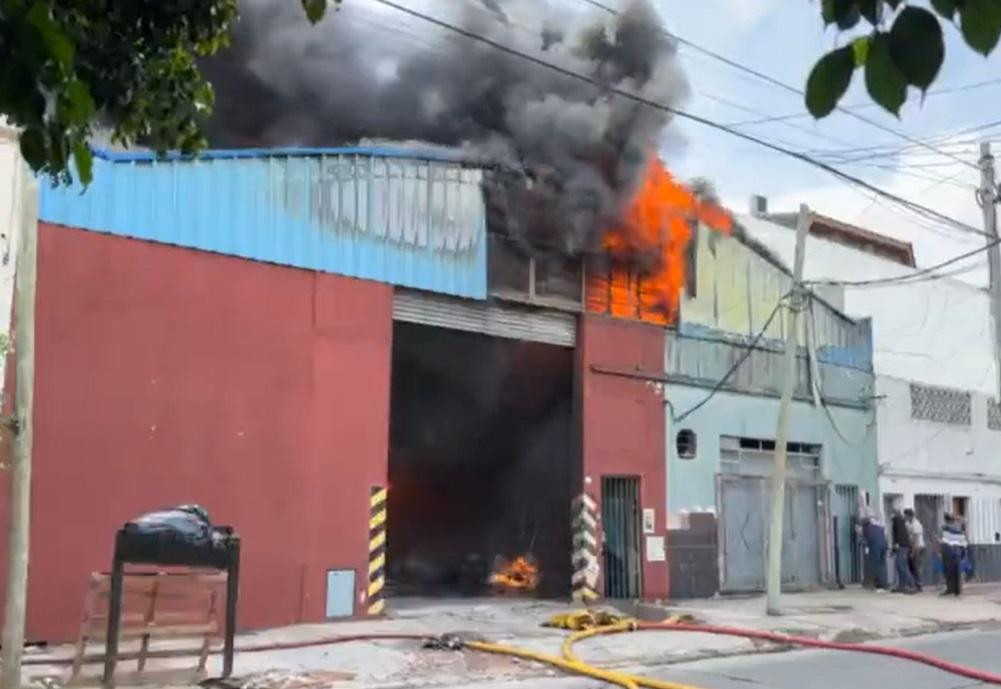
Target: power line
column 942, row 139
column 908, row 279
column 738, row 106
column 862, row 106
column 783, row 85
column 911, row 205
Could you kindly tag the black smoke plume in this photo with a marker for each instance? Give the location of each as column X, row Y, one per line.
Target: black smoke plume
column 566, row 153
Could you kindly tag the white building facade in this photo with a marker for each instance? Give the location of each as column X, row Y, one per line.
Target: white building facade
column 938, row 424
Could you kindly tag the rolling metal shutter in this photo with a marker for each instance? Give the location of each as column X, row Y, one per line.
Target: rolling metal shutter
column 488, row 318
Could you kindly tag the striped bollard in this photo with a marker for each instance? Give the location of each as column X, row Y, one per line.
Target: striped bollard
column 585, row 549
column 377, row 551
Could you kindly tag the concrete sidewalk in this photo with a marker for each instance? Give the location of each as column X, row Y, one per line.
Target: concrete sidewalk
column 848, row 615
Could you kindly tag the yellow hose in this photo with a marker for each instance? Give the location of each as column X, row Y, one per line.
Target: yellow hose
column 638, row 680
column 574, row 666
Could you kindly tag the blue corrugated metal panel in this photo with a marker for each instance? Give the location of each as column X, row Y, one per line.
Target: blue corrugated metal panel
column 381, row 214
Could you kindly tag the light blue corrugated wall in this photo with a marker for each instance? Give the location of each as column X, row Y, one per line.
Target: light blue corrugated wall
column 405, row 221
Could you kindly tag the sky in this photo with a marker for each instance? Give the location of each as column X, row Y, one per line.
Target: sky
column 782, row 39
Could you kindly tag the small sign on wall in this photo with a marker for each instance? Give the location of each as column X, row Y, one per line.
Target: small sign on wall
column 649, row 519
column 655, row 551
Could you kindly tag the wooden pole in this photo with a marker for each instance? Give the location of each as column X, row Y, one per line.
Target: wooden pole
column 21, row 422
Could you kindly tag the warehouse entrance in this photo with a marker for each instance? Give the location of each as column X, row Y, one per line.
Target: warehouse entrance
column 481, row 465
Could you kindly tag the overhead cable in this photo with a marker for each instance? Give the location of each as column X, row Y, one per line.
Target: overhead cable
column 912, row 205
column 909, row 278
column 783, row 85
column 931, row 94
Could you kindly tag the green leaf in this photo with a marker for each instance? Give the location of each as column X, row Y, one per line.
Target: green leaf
column 33, row 147
column 829, row 80
column 883, row 79
column 947, row 8
column 827, row 11
column 315, row 9
column 860, row 49
column 84, row 162
column 980, row 21
column 846, row 14
column 80, row 104
column 870, row 10
column 916, row 46
column 59, row 46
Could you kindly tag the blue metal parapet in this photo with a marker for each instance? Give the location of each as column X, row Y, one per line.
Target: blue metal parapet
column 405, row 216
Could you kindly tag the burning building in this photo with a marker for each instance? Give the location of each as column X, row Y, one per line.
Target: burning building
column 397, row 368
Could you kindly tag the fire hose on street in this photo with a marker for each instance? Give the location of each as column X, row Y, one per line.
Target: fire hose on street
column 570, row 663
column 903, row 654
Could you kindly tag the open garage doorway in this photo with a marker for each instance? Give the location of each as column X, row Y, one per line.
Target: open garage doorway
column 481, row 465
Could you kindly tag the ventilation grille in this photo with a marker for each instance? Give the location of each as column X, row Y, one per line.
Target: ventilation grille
column 940, row 404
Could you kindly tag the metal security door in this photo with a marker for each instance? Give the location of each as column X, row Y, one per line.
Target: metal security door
column 494, row 318
column 847, row 545
column 744, row 506
column 620, row 517
column 801, row 535
column 745, row 502
column 743, row 499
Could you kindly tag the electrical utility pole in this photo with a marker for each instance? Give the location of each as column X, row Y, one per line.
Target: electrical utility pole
column 797, row 298
column 987, row 196
column 21, row 422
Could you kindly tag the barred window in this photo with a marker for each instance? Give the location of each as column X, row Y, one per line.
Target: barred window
column 940, row 404
column 994, row 415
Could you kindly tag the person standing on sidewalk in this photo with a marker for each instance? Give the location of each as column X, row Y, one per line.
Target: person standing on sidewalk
column 902, row 553
column 875, row 546
column 953, row 552
column 917, row 534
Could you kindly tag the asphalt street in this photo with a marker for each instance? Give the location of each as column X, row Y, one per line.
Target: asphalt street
column 843, row 670
column 818, row 669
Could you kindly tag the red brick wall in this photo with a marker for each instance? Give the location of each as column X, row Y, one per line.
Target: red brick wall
column 166, row 376
column 623, row 419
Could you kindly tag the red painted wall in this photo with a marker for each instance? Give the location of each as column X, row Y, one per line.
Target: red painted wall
column 166, row 376
column 623, row 419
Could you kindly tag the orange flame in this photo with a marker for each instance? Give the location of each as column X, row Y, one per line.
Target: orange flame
column 648, row 249
column 516, row 575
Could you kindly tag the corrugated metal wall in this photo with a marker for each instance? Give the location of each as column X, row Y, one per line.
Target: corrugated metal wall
column 737, row 290
column 705, row 361
column 362, row 213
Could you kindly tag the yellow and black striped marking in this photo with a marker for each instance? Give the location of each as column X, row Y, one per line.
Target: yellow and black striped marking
column 585, row 549
column 377, row 551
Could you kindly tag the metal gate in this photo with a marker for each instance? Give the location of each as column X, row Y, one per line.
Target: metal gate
column 620, row 517
column 744, row 504
column 848, row 549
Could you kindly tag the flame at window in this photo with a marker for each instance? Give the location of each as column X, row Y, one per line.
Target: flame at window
column 645, row 273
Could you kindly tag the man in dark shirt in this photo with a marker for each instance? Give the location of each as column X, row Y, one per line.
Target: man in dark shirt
column 902, row 553
column 875, row 544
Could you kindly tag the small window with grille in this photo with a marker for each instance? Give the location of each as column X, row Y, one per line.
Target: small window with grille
column 945, row 405
column 687, row 444
column 994, row 415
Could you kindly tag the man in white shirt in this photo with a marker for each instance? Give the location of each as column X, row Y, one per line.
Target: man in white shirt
column 917, row 534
